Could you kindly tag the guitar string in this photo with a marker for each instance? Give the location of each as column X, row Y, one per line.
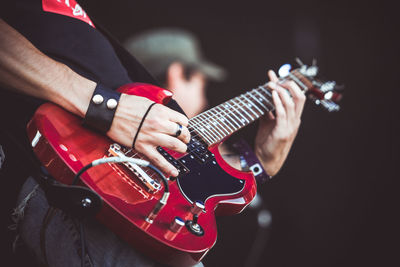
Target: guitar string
column 229, row 111
column 232, row 110
column 239, row 104
column 214, row 120
column 296, row 79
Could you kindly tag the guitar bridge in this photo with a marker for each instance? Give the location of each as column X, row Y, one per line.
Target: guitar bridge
column 151, row 184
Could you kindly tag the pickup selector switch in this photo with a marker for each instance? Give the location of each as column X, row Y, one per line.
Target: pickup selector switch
column 194, row 227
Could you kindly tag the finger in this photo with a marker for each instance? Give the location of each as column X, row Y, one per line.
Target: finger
column 271, row 115
column 279, row 109
column 177, row 117
column 298, row 95
column 173, row 129
column 286, row 100
column 160, row 162
column 272, row 76
column 170, row 142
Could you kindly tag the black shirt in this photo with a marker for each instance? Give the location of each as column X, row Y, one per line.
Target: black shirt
column 86, row 49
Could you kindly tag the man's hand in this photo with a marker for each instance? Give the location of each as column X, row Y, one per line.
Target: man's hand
column 25, row 69
column 158, row 129
column 276, row 134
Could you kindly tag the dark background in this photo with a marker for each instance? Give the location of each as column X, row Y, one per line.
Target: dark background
column 334, row 202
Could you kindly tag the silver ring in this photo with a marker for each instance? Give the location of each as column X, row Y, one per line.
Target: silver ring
column 179, row 130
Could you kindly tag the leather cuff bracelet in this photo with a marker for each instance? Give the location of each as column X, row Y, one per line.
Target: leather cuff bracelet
column 101, row 110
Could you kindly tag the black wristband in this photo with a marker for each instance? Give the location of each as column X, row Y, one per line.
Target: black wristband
column 101, row 110
column 141, row 123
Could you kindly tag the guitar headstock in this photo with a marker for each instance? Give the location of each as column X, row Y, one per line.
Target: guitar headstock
column 324, row 93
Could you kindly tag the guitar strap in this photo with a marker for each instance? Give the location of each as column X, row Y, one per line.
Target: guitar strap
column 251, row 160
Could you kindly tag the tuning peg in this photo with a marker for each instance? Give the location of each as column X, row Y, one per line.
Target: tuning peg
column 299, row 62
column 284, row 70
column 328, row 86
column 330, row 105
column 314, row 62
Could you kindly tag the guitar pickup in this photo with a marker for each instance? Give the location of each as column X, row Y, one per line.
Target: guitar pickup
column 151, row 184
column 182, row 169
column 203, row 157
column 199, row 151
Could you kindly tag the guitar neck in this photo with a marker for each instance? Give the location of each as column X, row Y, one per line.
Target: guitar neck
column 225, row 119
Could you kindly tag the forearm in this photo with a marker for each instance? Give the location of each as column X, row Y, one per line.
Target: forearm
column 24, row 69
column 272, row 163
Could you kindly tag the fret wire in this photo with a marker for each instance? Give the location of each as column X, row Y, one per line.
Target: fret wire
column 298, row 81
column 267, row 102
column 214, row 126
column 237, row 104
column 203, row 136
column 265, row 90
column 205, row 130
column 255, row 98
column 197, row 120
column 301, row 77
column 234, row 114
column 268, row 94
column 222, row 121
column 229, row 111
column 202, row 132
column 251, row 105
column 208, row 126
column 225, row 119
column 231, row 108
column 251, row 99
column 243, row 110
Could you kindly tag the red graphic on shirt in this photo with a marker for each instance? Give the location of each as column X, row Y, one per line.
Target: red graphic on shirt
column 68, row 8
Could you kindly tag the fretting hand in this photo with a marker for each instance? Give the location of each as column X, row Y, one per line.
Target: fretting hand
column 276, row 134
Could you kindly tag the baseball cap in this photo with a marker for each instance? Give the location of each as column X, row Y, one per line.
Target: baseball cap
column 157, row 49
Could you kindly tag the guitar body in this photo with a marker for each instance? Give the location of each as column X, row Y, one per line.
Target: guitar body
column 64, row 146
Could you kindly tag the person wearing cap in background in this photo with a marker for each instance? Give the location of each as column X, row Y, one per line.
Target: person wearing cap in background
column 175, row 58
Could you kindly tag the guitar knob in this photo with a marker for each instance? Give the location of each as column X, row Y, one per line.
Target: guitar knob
column 197, row 207
column 177, row 224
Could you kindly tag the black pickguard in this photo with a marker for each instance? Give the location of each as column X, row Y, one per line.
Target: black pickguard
column 206, row 179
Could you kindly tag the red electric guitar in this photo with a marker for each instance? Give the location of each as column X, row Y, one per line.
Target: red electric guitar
column 183, row 229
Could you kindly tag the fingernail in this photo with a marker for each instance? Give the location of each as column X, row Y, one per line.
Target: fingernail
column 174, row 173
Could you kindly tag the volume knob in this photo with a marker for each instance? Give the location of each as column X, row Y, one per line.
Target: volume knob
column 177, row 224
column 197, row 207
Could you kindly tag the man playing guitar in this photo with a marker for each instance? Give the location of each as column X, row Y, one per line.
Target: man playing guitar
column 39, row 60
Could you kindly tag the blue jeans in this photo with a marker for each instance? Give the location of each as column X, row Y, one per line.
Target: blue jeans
column 63, row 238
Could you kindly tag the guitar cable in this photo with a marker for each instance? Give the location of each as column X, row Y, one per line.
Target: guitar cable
column 121, row 159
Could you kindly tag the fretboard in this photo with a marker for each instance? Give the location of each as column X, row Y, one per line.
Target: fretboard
column 223, row 120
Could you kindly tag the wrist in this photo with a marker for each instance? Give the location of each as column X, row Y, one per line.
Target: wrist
column 75, row 92
column 269, row 162
column 101, row 109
